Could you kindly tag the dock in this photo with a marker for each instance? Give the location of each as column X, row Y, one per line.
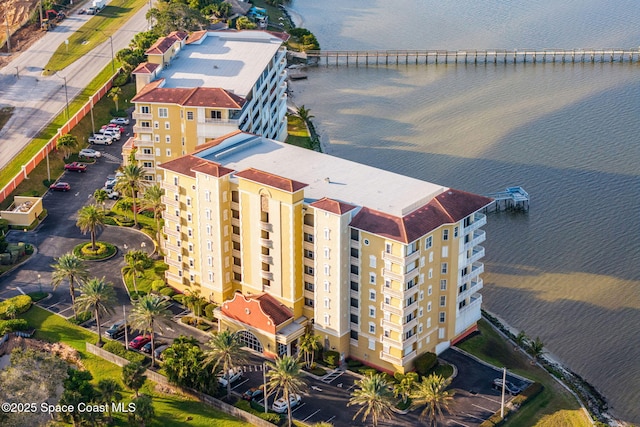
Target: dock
column 512, row 198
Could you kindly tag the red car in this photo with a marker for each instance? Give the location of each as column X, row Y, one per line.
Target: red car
column 75, row 167
column 115, row 126
column 60, row 186
column 139, row 341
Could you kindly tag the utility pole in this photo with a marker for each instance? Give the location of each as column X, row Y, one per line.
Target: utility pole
column 264, row 379
column 40, row 13
column 504, row 380
column 6, row 21
column 93, row 123
column 126, row 334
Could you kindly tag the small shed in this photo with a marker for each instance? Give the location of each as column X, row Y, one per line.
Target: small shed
column 23, row 211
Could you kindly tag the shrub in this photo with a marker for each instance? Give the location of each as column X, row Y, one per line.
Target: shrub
column 147, row 213
column 318, row 371
column 121, row 79
column 425, row 363
column 135, row 295
column 331, row 358
column 157, row 285
column 13, row 325
column 188, row 320
column 21, row 303
column 37, row 296
column 366, row 371
column 208, row 311
column 178, row 298
column 257, row 410
column 527, row 394
column 118, row 349
column 352, row 363
column 123, row 221
column 109, row 221
column 4, row 226
column 167, row 291
column 204, row 326
column 87, row 250
column 80, row 318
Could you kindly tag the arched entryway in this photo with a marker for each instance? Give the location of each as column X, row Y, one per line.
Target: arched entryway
column 251, row 341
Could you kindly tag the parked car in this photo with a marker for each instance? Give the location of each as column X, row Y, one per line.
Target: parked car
column 89, row 153
column 111, row 132
column 116, row 330
column 147, row 347
column 253, row 393
column 75, row 167
column 111, row 193
column 280, row 405
column 139, row 341
column 100, row 139
column 119, row 121
column 114, row 126
column 160, row 350
column 60, row 186
column 510, row 387
column 232, row 376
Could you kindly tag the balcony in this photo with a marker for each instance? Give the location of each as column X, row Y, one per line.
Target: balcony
column 237, row 269
column 354, row 260
column 173, row 278
column 235, row 222
column 354, row 244
column 354, row 277
column 142, row 116
column 308, row 294
column 410, row 308
column 409, row 357
column 391, row 341
column 170, row 187
column 173, row 262
column 266, row 243
column 171, row 247
column 142, row 156
column 267, row 259
column 171, row 232
column 308, row 246
column 393, row 275
column 309, row 278
column 386, row 256
column 142, row 143
column 142, row 129
column 410, row 341
column 213, row 128
column 392, row 292
column 476, row 255
column 478, row 237
column 265, row 226
column 354, row 294
column 410, row 325
column 170, row 202
column 412, row 257
column 388, row 324
column 235, row 206
column 391, row 309
column 479, row 219
column 476, row 286
column 266, row 275
column 307, row 229
column 236, row 253
column 476, row 269
column 469, row 314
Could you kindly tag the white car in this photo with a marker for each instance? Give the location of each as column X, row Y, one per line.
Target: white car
column 111, row 193
column 100, row 139
column 120, row 121
column 280, row 405
column 88, row 152
column 232, row 376
column 111, row 132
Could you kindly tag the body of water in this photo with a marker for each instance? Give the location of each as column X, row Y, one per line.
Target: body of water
column 567, row 271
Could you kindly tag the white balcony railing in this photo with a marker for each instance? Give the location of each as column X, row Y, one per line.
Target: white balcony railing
column 171, row 232
column 469, row 314
column 173, row 262
column 476, row 255
column 479, row 236
column 142, row 156
column 266, row 226
column 410, row 308
column 392, row 309
column 267, row 259
column 142, row 129
column 170, row 201
column 266, row 275
column 476, row 269
column 479, row 219
column 386, row 256
column 169, row 187
column 143, row 143
column 476, row 286
column 142, row 116
column 388, row 324
column 392, row 275
column 267, row 243
column 392, row 292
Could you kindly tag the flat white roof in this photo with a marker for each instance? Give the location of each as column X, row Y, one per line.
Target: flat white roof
column 348, row 181
column 222, row 59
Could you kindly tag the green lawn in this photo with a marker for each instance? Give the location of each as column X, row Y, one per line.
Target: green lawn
column 148, row 277
column 297, row 132
column 171, row 410
column 555, row 406
column 95, row 32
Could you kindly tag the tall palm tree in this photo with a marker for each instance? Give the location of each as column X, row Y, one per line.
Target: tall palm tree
column 114, row 94
column 133, row 376
column 66, row 143
column 284, row 376
column 152, row 199
column 309, row 344
column 133, row 268
column 431, row 393
column 520, row 340
column 374, row 396
column 109, row 391
column 90, row 220
column 132, row 182
column 225, row 351
column 100, row 196
column 147, row 312
column 98, row 296
column 71, row 268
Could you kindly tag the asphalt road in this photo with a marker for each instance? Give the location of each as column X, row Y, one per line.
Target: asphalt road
column 38, row 99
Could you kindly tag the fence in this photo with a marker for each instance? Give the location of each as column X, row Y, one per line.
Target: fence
column 51, row 144
column 205, row 398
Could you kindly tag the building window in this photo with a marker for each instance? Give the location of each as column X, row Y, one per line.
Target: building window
column 443, row 301
column 327, row 234
column 387, row 299
column 211, row 276
column 308, row 286
column 429, row 307
column 443, row 284
column 148, row 177
column 168, row 152
column 308, row 270
column 372, row 295
column 177, row 212
column 366, row 242
column 372, row 311
column 190, row 246
column 308, row 237
column 444, row 267
column 308, row 254
column 210, row 261
column 429, row 290
column 372, row 328
column 428, row 242
column 442, row 317
column 372, row 261
column 327, row 252
column 372, row 278
column 189, row 115
column 445, row 234
column 207, row 213
column 327, row 303
column 144, row 109
column 387, row 283
column 166, row 125
column 308, row 302
column 156, row 125
column 191, row 263
column 430, row 273
column 388, row 248
column 156, row 138
column 327, row 270
column 326, row 319
column 420, row 311
column 354, row 302
column 167, row 139
column 327, row 284
column 421, row 295
column 163, row 113
column 372, row 344
column 175, row 181
column 207, row 195
column 445, row 251
column 354, row 335
column 208, row 228
column 188, row 201
column 189, row 217
column 189, row 232
column 354, row 318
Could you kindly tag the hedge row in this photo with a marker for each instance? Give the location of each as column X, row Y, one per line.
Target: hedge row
column 425, row 363
column 119, row 350
column 20, row 304
column 249, row 407
column 13, row 325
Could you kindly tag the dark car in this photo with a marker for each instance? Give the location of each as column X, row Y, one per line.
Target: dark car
column 147, row 347
column 75, row 167
column 509, row 387
column 60, row 186
column 139, row 341
column 116, row 330
column 253, row 393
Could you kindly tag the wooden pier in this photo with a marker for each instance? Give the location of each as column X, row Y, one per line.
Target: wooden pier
column 471, row 56
column 513, row 198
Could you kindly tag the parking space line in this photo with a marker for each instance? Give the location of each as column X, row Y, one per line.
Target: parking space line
column 473, row 416
column 459, row 423
column 305, row 420
column 330, row 419
column 489, row 399
column 239, row 384
column 483, row 408
column 300, row 406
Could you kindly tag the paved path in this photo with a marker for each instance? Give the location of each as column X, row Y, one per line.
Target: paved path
column 38, row 99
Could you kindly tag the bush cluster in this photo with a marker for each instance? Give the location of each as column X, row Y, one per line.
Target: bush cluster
column 208, row 311
column 88, row 251
column 20, row 304
column 249, row 407
column 331, row 358
column 119, row 350
column 13, row 325
column 123, row 221
column 167, row 291
column 425, row 363
column 80, row 318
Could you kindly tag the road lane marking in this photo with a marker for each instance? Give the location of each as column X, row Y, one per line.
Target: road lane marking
column 305, row 420
column 239, row 384
column 473, row 416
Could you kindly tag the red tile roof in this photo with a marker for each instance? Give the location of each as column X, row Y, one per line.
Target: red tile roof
column 165, row 43
column 274, row 309
column 145, row 68
column 332, row 206
column 190, row 97
column 195, row 36
column 188, row 165
column 271, row 180
column 448, row 207
column 282, row 36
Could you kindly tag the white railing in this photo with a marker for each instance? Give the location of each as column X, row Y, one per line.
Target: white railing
column 479, row 236
column 479, row 219
column 476, row 269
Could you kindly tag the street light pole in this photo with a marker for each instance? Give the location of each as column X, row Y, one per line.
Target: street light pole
column 39, row 283
column 66, row 95
column 113, row 62
column 93, row 123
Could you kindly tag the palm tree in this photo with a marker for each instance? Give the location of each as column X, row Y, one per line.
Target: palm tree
column 284, row 375
column 309, row 344
column 133, row 267
column 152, row 199
column 114, row 94
column 375, row 398
column 304, row 114
column 90, row 220
column 98, row 296
column 431, row 393
column 109, row 391
column 520, row 340
column 132, row 182
column 536, row 349
column 405, row 385
column 100, row 195
column 66, row 143
column 147, row 312
column 69, row 267
column 225, row 351
column 133, row 376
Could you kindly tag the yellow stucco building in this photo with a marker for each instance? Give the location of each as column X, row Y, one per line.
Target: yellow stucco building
column 383, row 267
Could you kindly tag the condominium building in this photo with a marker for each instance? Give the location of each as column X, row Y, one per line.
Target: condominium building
column 381, row 266
column 204, row 85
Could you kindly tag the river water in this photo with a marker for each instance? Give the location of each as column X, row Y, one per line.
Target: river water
column 568, row 270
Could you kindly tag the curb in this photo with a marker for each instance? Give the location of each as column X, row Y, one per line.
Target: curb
column 35, row 252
